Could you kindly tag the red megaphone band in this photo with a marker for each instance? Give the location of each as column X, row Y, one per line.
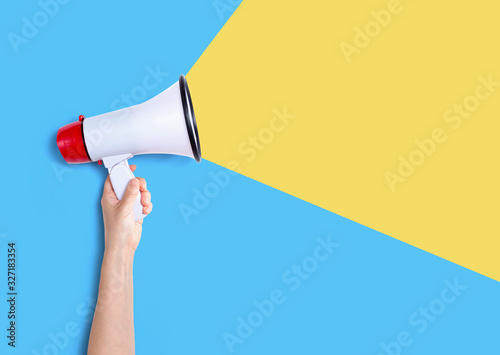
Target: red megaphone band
column 71, row 143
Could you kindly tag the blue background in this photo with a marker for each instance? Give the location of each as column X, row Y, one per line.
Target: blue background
column 192, row 280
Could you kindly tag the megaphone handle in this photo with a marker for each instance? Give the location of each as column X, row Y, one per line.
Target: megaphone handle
column 120, row 175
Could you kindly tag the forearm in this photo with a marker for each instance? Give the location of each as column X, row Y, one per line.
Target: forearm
column 113, row 326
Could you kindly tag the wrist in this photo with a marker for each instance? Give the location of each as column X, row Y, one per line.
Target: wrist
column 121, row 253
column 116, row 273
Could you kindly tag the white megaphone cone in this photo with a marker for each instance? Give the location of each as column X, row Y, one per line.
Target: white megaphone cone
column 164, row 124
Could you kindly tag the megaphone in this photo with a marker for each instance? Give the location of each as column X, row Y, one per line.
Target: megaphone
column 164, row 124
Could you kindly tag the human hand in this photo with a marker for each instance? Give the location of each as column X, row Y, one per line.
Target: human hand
column 122, row 232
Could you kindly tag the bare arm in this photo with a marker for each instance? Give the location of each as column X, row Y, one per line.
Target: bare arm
column 113, row 326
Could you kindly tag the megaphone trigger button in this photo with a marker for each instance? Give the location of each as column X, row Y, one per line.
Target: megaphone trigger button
column 99, row 162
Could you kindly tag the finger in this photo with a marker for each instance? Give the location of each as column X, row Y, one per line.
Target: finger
column 147, row 209
column 130, row 195
column 133, row 167
column 108, row 194
column 107, row 184
column 144, row 186
column 145, row 197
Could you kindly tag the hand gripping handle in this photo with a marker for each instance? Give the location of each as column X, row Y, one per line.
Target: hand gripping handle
column 120, row 175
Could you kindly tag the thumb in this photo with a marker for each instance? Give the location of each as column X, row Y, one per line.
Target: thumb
column 127, row 202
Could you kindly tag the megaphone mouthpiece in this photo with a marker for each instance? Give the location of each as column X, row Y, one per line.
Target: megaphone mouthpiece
column 71, row 143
